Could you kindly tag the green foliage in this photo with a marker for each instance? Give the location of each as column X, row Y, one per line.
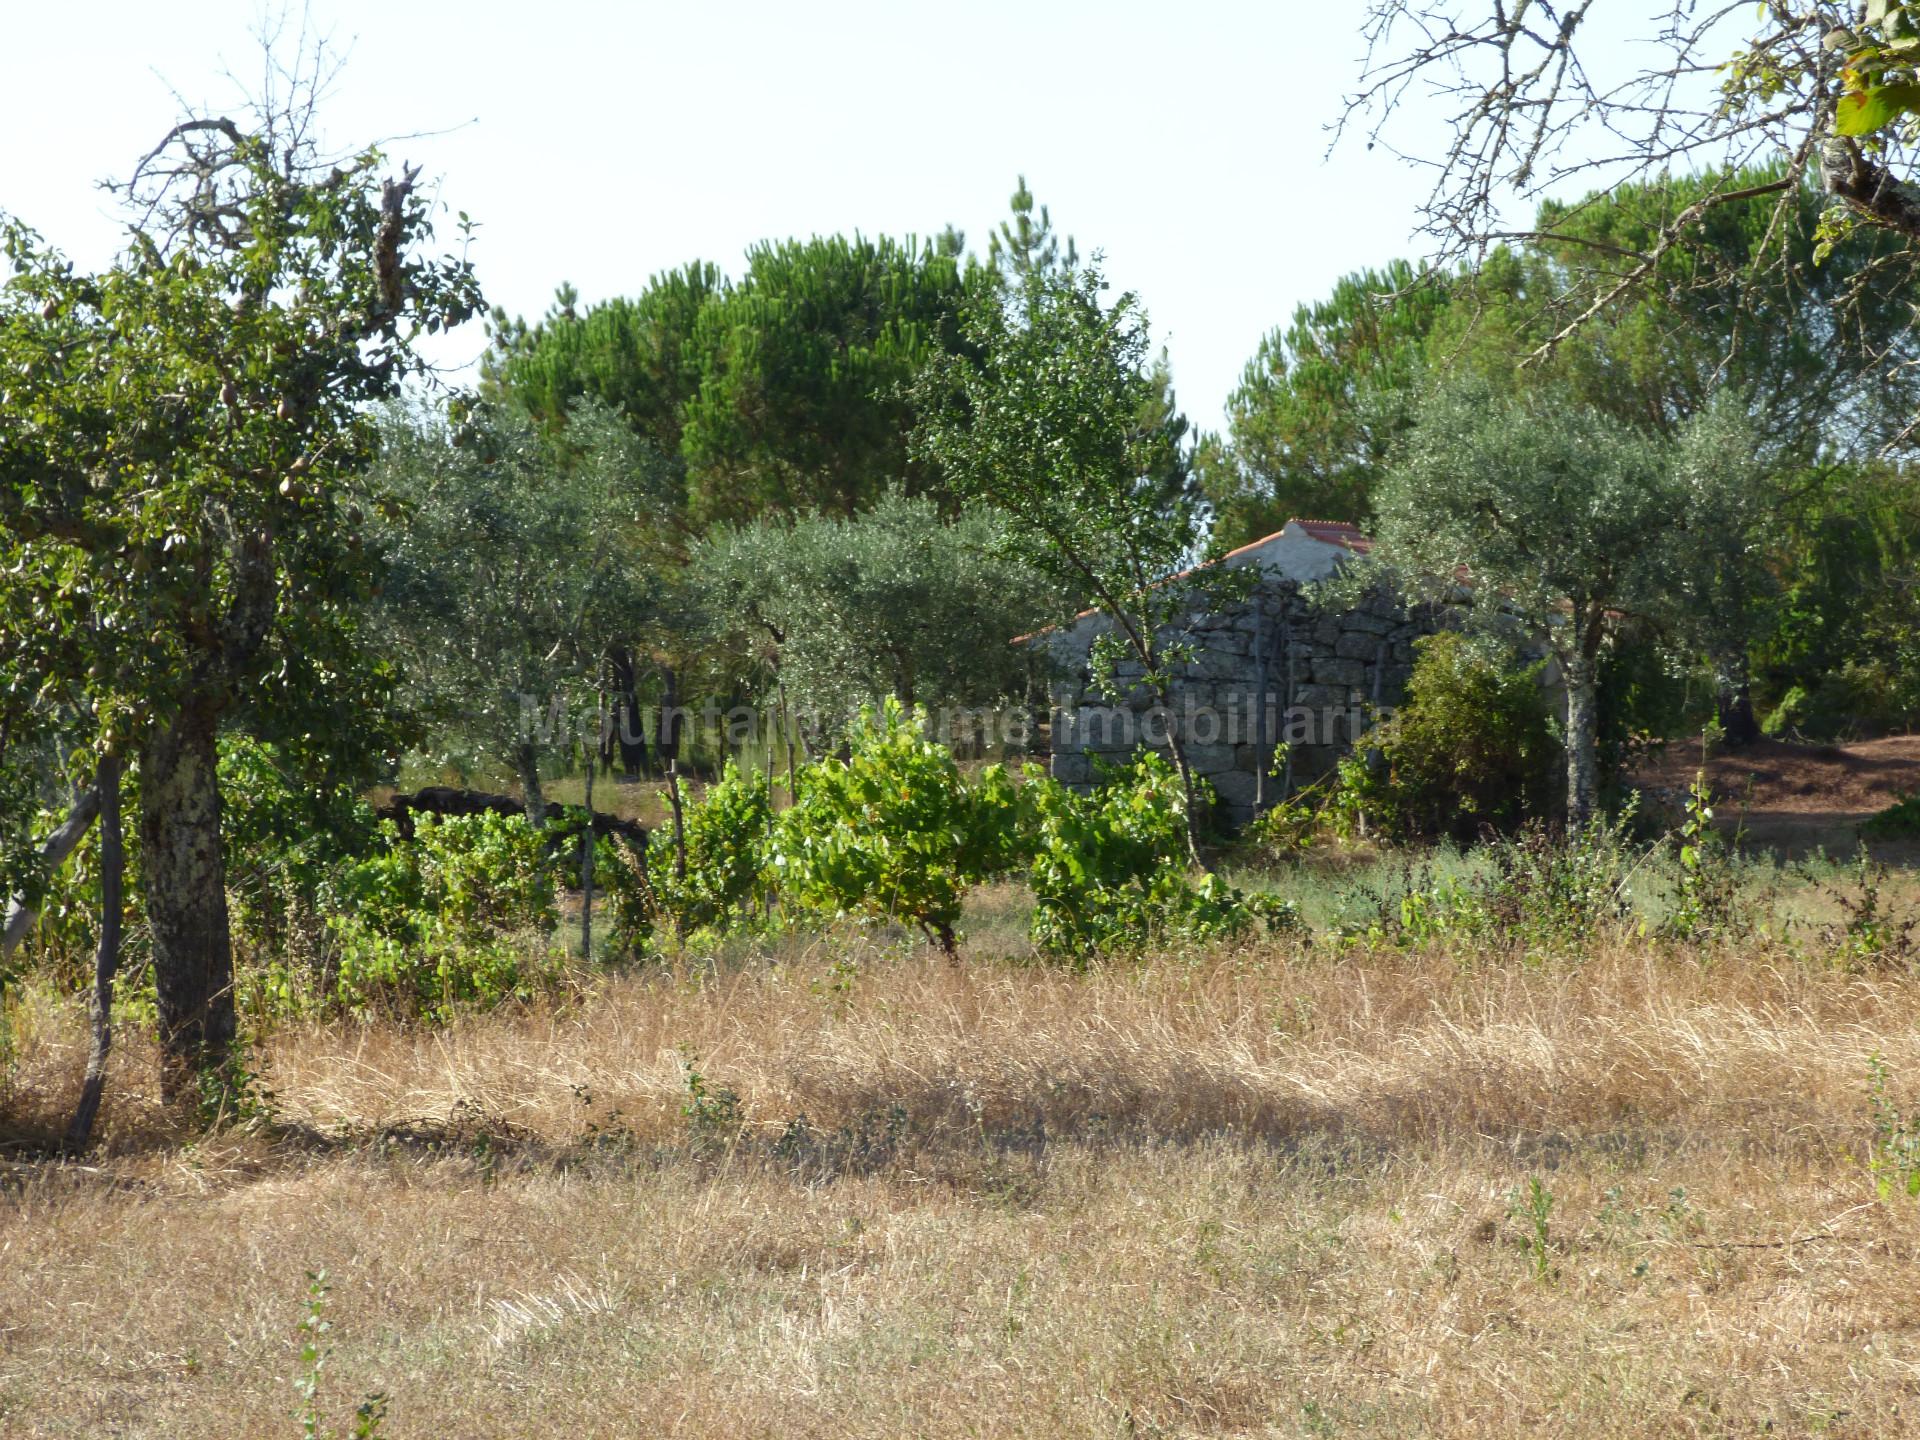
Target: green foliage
column 1290, row 826
column 184, row 488
column 1902, row 818
column 1022, row 246
column 1744, row 307
column 286, row 836
column 899, row 601
column 729, row 835
column 1046, row 427
column 1571, row 521
column 1873, row 936
column 202, row 441
column 1318, row 406
column 1471, row 747
column 66, row 926
column 1709, row 887
column 1839, row 649
column 712, row 1112
column 799, row 403
column 312, row 1332
column 1879, row 71
column 1647, row 696
column 1893, row 1159
column 896, row 831
column 458, row 915
column 515, row 563
column 231, row 1092
column 779, row 394
column 1411, row 905
column 1532, row 1206
column 1546, row 889
column 1541, row 891
column 1550, row 507
column 1109, row 870
column 633, row 356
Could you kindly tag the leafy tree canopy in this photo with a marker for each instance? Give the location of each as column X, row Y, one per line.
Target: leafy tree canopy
column 515, row 564
column 899, row 602
column 1574, row 523
column 630, row 354
column 778, row 393
column 1318, row 406
column 1321, row 404
column 184, row 494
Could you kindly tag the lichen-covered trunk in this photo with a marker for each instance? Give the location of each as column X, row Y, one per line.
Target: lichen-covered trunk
column 184, row 884
column 1583, row 723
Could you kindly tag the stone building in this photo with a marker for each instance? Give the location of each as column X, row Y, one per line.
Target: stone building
column 1270, row 668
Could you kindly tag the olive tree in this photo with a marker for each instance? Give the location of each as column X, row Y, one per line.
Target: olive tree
column 1575, row 524
column 898, row 602
column 513, row 573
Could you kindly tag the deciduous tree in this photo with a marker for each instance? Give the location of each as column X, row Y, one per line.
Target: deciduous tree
column 183, row 491
column 1047, row 427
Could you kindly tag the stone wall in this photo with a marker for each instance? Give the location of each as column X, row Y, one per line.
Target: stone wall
column 1266, row 669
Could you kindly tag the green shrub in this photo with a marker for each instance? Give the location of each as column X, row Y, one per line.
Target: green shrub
column 285, row 835
column 1539, row 889
column 1412, row 904
column 1707, row 886
column 728, row 836
column 1109, row 868
column 1644, row 700
column 459, row 914
column 1470, row 748
column 1290, row 827
column 1550, row 889
column 896, row 831
column 370, row 1415
column 1902, row 818
column 1894, row 1157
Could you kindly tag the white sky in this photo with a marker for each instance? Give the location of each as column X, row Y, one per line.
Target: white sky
column 604, row 141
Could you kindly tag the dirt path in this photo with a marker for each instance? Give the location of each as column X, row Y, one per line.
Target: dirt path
column 1795, row 798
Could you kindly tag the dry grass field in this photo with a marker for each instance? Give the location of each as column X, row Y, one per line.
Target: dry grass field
column 850, row 1191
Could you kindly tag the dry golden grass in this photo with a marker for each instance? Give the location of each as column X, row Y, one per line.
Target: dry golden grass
column 1264, row 1193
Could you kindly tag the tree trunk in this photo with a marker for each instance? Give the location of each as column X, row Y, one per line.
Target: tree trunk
column 627, row 737
column 586, row 871
column 185, row 889
column 527, row 757
column 56, row 848
column 679, row 820
column 786, row 736
column 666, row 726
column 666, row 743
column 1734, row 706
column 1583, row 720
column 1178, row 749
column 106, row 960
